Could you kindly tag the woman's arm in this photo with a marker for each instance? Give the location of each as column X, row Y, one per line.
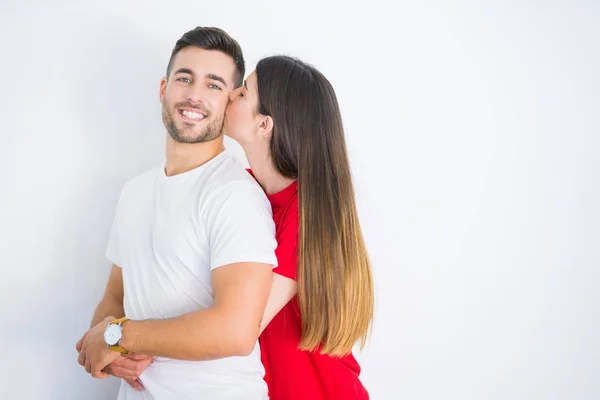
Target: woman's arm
column 282, row 291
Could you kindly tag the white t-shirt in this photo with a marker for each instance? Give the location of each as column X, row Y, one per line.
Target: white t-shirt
column 168, row 234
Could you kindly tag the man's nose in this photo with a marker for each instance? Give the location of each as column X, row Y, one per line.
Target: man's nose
column 196, row 93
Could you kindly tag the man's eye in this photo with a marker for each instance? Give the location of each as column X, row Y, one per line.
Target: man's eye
column 184, row 80
column 213, row 86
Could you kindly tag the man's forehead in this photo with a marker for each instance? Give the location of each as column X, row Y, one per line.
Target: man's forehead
column 205, row 62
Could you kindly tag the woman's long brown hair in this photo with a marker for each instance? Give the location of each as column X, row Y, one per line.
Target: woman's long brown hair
column 335, row 286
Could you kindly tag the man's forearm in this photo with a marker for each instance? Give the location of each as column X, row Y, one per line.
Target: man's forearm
column 202, row 335
column 107, row 308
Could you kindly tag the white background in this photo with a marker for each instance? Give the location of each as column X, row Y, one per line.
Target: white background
column 473, row 132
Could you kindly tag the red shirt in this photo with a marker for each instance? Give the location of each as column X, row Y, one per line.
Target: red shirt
column 293, row 374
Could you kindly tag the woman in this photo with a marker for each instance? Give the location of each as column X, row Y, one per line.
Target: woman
column 287, row 119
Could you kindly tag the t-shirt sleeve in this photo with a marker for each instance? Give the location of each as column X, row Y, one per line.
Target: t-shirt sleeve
column 240, row 226
column 287, row 244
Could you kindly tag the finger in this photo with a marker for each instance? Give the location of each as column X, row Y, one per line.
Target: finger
column 123, row 373
column 139, row 385
column 96, row 373
column 142, row 365
column 136, row 384
column 137, row 371
column 97, row 370
column 134, row 365
column 88, row 366
column 126, row 363
column 81, row 358
column 101, row 360
column 123, row 367
column 79, row 344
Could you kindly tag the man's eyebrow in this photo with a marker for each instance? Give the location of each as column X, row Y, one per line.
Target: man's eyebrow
column 246, row 86
column 184, row 71
column 216, row 78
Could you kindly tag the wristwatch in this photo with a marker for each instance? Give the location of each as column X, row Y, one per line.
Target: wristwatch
column 113, row 334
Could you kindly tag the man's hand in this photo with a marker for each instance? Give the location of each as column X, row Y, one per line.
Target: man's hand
column 80, row 342
column 94, row 354
column 129, row 367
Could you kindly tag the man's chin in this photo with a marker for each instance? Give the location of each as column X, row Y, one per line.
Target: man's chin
column 191, row 137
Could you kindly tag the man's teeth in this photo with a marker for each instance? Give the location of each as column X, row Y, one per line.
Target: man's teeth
column 192, row 115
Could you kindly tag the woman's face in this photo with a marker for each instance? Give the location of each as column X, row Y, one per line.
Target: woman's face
column 242, row 120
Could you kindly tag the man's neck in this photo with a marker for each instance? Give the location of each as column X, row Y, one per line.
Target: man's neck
column 265, row 173
column 183, row 157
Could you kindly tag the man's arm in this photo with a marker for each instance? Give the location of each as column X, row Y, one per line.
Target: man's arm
column 111, row 304
column 112, row 301
column 229, row 328
column 111, row 307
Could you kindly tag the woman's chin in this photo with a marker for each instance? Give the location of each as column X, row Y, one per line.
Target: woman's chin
column 226, row 133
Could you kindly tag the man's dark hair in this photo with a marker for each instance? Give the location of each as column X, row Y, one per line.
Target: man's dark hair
column 210, row 38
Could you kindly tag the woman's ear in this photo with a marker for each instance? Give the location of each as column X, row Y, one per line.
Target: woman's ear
column 265, row 128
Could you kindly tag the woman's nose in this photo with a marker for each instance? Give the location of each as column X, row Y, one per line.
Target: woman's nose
column 232, row 95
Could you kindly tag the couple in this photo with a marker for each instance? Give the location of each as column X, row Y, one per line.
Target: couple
column 230, row 284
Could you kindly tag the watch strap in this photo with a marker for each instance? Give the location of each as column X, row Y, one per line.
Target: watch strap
column 119, row 321
column 118, row 349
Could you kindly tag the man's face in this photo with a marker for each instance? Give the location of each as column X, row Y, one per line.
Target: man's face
column 195, row 94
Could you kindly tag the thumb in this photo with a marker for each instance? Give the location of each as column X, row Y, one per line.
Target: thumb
column 100, row 374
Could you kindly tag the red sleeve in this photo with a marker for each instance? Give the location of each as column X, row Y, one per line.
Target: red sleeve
column 287, row 243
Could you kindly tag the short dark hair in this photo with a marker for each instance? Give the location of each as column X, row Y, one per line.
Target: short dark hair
column 210, row 38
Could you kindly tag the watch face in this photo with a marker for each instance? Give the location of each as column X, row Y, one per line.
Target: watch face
column 112, row 335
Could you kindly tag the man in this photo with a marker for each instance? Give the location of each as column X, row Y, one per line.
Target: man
column 192, row 247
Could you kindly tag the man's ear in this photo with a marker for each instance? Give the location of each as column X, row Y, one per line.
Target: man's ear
column 163, row 88
column 265, row 128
